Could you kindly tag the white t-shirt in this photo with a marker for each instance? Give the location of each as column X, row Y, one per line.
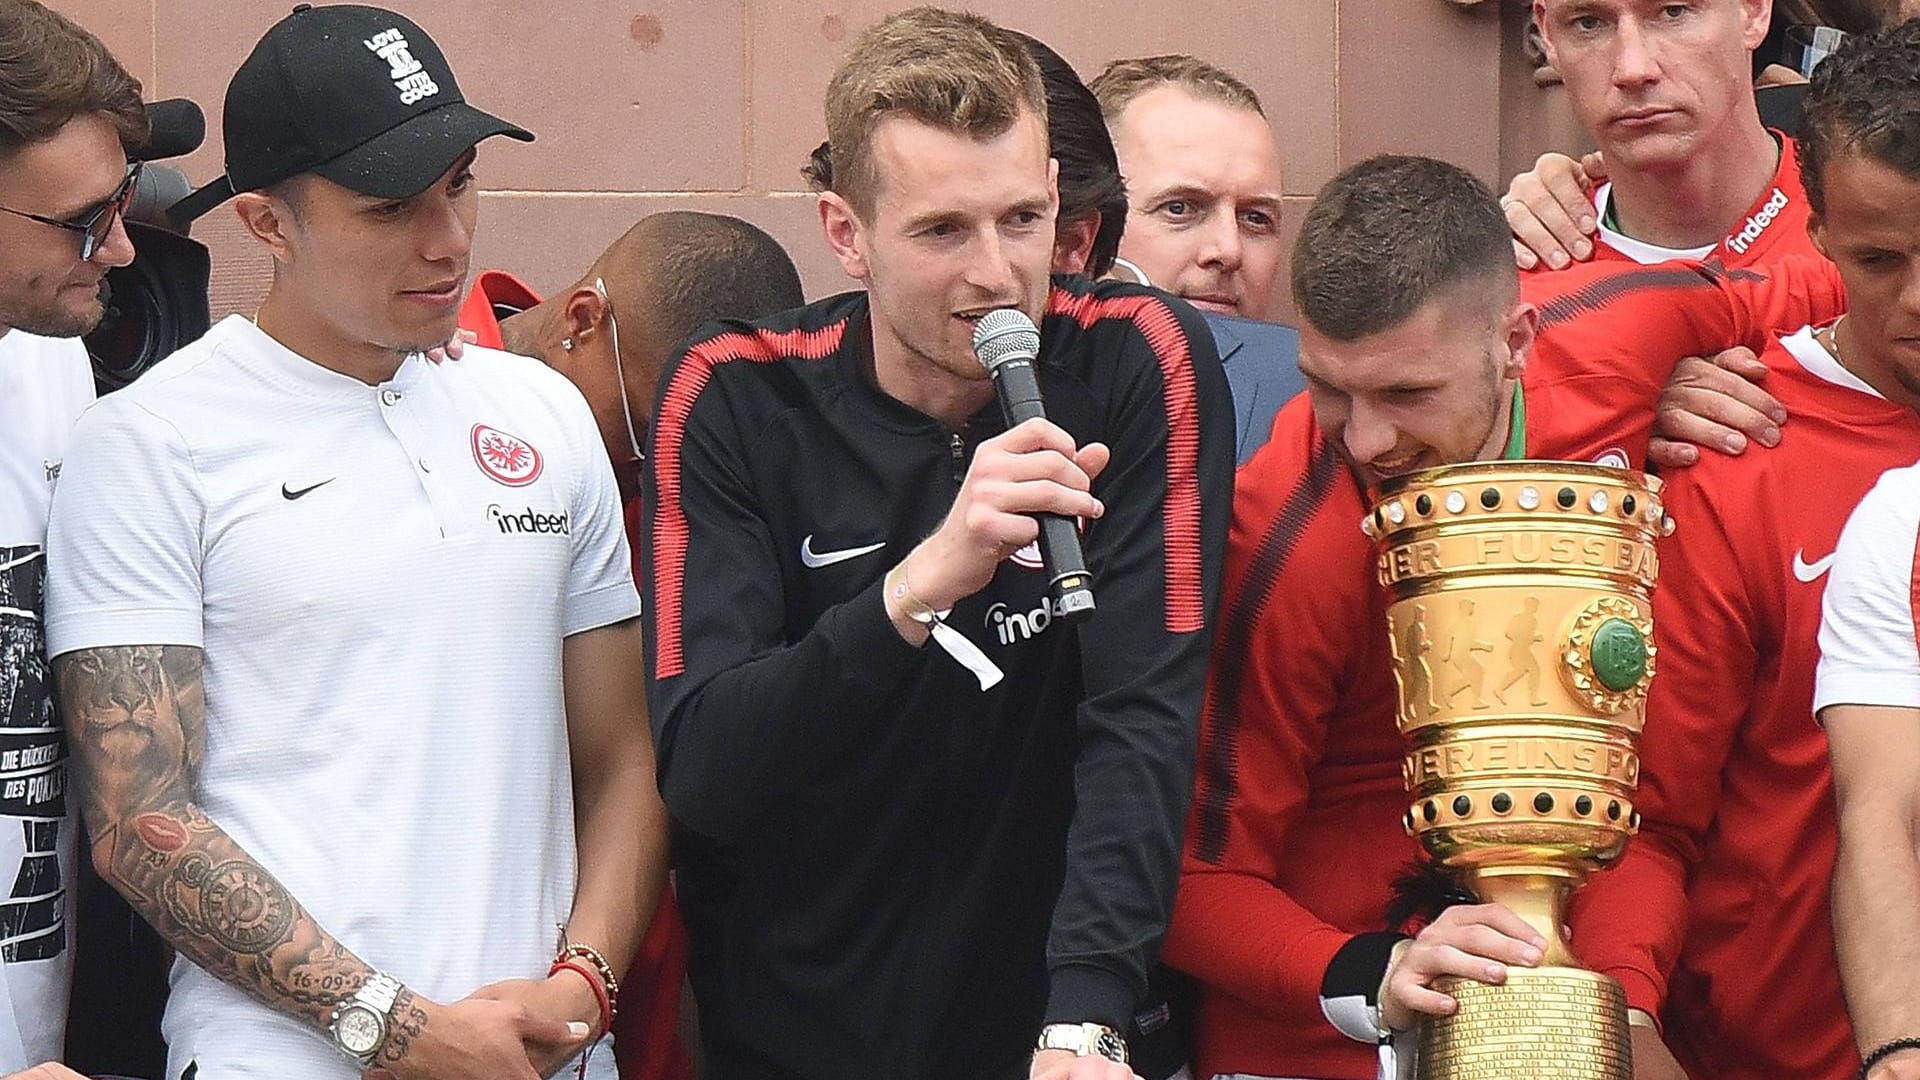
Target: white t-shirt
column 381, row 578
column 1638, row 250
column 45, row 383
column 1867, row 651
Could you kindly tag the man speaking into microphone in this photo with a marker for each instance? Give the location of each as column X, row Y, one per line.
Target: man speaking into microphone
column 926, row 826
column 1008, row 344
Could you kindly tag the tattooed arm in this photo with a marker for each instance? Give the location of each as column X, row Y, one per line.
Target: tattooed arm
column 136, row 721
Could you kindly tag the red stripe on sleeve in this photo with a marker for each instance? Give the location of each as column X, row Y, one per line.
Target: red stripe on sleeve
column 1186, row 608
column 670, row 532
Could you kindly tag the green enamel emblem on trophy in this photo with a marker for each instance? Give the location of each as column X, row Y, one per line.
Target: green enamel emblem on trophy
column 1619, row 654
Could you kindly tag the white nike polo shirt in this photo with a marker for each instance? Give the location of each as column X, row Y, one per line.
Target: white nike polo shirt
column 381, row 578
column 1868, row 653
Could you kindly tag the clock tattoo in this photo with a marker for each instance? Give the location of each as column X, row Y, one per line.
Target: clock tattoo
column 244, row 908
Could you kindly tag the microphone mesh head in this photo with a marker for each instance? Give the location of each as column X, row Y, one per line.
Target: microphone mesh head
column 1002, row 334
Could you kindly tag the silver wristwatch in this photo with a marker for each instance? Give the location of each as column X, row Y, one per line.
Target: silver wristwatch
column 1083, row 1040
column 359, row 1024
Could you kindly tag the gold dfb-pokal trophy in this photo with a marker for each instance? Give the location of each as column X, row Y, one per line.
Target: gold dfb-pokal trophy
column 1522, row 641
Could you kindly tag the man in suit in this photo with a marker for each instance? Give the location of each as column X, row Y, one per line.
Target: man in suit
column 1263, row 372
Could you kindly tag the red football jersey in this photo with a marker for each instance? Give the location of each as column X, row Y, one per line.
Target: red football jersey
column 1773, row 227
column 1294, row 837
column 1727, row 884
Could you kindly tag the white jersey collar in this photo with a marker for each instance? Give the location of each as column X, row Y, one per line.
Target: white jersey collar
column 294, row 371
column 1638, row 250
column 1815, row 358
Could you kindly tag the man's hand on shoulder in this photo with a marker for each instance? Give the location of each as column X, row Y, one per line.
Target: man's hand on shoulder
column 1063, row 1065
column 1550, row 210
column 455, row 348
column 1717, row 403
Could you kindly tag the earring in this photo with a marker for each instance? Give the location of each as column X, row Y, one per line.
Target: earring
column 567, row 344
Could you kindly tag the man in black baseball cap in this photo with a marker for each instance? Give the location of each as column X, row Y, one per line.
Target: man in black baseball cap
column 349, row 152
column 354, row 94
column 396, row 732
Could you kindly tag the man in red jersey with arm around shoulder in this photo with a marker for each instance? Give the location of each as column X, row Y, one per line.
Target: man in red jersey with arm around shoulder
column 1717, row 918
column 1665, row 90
column 1421, row 347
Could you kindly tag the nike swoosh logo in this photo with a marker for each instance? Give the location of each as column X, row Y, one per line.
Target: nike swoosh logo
column 817, row 559
column 292, row 493
column 1809, row 571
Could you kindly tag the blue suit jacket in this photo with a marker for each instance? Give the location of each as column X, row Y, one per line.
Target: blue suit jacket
column 1262, row 364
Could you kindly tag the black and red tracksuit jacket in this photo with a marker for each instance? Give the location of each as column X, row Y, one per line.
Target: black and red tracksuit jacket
column 887, row 871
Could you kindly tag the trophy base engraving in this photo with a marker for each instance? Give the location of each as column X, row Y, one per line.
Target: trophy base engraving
column 1547, row 1023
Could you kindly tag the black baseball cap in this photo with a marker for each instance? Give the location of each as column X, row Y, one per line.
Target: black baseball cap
column 359, row 95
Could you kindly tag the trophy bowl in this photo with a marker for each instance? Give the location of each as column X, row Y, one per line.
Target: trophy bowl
column 1521, row 624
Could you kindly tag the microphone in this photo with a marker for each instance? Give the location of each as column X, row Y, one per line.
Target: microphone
column 1007, row 344
column 160, row 187
column 177, row 126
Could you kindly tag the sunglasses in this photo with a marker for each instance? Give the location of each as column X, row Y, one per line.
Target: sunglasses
column 95, row 224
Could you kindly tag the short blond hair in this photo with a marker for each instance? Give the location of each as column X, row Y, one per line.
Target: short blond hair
column 1124, row 80
column 951, row 70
